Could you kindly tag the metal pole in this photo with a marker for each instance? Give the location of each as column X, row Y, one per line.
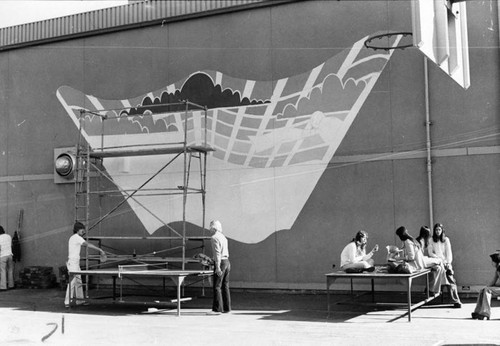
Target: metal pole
column 78, row 164
column 428, row 142
column 203, row 180
column 206, row 118
column 102, row 132
column 184, row 195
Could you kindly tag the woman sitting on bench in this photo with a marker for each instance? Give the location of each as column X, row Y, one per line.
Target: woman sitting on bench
column 483, row 305
column 354, row 258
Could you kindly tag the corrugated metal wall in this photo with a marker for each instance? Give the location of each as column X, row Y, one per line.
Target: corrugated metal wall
column 118, row 18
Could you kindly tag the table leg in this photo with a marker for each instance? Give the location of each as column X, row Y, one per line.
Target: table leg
column 329, row 282
column 179, row 295
column 373, row 290
column 427, row 285
column 328, row 294
column 178, row 281
column 121, row 289
column 409, row 299
column 203, row 284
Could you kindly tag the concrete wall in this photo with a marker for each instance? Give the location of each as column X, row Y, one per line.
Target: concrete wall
column 365, row 186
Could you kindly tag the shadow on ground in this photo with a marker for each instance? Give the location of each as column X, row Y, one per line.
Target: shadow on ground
column 285, row 306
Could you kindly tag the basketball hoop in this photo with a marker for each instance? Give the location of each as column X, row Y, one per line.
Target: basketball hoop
column 371, row 42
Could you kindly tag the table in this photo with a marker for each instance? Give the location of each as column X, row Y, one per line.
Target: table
column 381, row 275
column 177, row 276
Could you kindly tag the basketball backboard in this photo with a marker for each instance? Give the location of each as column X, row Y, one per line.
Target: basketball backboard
column 440, row 32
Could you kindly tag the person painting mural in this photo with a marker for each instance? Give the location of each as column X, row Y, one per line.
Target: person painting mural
column 222, row 268
column 75, row 243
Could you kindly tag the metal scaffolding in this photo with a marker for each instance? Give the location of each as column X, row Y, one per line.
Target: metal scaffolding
column 90, row 171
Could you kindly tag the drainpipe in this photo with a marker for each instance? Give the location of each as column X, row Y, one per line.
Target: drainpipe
column 498, row 19
column 428, row 142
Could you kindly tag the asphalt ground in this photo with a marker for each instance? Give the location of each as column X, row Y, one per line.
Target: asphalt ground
column 38, row 317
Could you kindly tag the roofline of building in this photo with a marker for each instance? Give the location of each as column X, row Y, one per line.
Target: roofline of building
column 126, row 17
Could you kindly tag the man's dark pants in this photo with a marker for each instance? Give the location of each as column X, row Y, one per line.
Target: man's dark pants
column 222, row 297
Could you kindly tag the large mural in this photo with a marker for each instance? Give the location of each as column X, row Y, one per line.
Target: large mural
column 272, row 139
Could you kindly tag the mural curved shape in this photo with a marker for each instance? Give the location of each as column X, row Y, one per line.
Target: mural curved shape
column 272, row 139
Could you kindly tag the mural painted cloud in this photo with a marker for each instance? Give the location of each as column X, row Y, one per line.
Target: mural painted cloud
column 270, row 138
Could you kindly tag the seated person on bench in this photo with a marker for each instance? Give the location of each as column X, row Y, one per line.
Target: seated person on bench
column 483, row 304
column 354, row 258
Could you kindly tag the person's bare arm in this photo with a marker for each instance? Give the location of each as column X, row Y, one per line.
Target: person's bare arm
column 92, row 246
column 370, row 254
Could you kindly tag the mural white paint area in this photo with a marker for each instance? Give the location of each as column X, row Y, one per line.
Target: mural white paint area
column 272, row 140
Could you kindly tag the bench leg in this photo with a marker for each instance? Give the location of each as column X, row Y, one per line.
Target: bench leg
column 409, row 299
column 329, row 282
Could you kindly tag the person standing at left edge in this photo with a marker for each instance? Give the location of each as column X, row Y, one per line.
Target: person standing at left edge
column 75, row 287
column 222, row 267
column 6, row 264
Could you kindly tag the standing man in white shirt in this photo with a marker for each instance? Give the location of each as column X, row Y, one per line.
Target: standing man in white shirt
column 6, row 263
column 75, row 287
column 222, row 268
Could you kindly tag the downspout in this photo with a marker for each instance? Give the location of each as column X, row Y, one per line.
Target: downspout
column 428, row 143
column 498, row 20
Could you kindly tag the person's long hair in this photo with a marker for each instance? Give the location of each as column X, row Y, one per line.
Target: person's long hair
column 495, row 257
column 425, row 234
column 357, row 239
column 435, row 237
column 403, row 234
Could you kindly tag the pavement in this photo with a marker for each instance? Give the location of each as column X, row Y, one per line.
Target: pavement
column 38, row 317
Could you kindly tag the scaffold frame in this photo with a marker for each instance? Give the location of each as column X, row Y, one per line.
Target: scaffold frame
column 89, row 166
